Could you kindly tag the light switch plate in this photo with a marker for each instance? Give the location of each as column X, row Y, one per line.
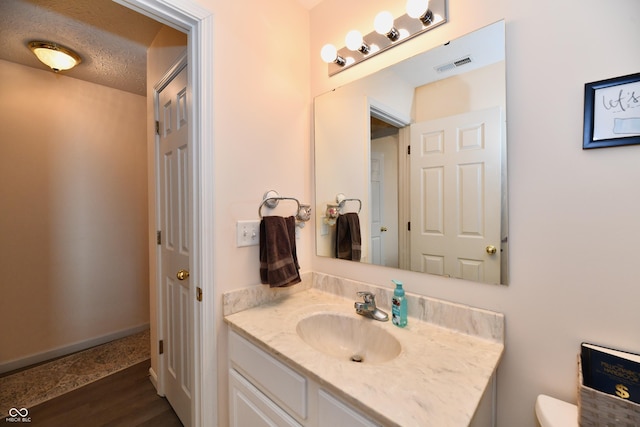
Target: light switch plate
column 324, row 227
column 247, row 233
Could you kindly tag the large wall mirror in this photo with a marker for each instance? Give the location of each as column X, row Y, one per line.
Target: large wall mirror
column 412, row 160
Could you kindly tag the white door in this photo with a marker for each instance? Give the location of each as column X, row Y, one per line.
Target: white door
column 377, row 208
column 455, row 196
column 176, row 291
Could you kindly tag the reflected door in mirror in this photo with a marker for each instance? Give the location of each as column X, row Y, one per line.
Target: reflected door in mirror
column 451, row 229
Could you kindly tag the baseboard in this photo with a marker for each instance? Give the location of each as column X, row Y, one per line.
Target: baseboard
column 33, row 359
column 153, row 377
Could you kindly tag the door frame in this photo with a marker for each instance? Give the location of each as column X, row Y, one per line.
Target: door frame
column 197, row 23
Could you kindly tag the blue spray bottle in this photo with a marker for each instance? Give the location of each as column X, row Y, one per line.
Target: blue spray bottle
column 399, row 306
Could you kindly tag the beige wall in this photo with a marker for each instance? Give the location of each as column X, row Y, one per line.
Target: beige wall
column 261, row 126
column 471, row 91
column 574, row 225
column 73, row 216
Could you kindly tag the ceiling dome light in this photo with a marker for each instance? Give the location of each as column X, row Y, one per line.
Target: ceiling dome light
column 54, row 56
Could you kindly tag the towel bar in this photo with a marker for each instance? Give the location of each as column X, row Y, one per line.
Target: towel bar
column 342, row 199
column 271, row 199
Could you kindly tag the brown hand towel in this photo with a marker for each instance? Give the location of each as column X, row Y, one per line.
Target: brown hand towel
column 278, row 259
column 348, row 240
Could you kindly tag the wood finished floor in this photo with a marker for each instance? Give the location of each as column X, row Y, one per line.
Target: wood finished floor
column 126, row 398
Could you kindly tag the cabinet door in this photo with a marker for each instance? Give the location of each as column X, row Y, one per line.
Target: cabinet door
column 249, row 407
column 282, row 384
column 334, row 413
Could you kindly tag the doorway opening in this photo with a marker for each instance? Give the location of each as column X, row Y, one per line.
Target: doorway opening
column 384, row 171
column 388, row 187
column 197, row 23
column 57, row 246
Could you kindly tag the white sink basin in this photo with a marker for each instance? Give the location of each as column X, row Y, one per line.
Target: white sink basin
column 358, row 339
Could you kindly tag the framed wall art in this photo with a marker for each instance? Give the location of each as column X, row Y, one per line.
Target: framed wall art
column 612, row 112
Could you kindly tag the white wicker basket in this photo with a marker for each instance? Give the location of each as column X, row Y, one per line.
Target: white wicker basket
column 597, row 409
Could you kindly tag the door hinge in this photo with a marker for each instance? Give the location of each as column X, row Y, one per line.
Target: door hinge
column 157, row 127
column 161, row 347
column 199, row 293
column 409, row 226
column 159, row 237
column 408, row 150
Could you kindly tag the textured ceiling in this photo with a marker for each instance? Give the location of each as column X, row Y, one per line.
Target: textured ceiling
column 111, row 39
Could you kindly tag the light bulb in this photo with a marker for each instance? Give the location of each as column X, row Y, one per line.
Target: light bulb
column 353, row 40
column 329, row 53
column 383, row 23
column 417, row 8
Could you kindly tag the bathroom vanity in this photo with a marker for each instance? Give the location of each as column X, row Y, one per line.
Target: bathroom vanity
column 301, row 356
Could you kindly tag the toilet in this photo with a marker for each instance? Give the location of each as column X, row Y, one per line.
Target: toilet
column 552, row 412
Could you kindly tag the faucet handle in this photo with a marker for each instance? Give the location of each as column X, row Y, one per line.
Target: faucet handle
column 368, row 297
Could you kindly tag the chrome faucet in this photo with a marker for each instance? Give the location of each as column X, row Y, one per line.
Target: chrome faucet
column 368, row 307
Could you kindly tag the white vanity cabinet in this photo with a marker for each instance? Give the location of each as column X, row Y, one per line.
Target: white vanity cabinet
column 265, row 392
column 443, row 376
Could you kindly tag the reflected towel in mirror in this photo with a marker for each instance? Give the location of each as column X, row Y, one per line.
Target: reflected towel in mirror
column 278, row 259
column 348, row 239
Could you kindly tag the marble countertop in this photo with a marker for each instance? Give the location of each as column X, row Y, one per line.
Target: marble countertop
column 437, row 380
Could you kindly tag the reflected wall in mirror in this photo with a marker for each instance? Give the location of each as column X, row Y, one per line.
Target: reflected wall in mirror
column 422, row 146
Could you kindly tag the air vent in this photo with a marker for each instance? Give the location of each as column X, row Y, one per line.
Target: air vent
column 454, row 64
column 446, row 67
column 462, row 61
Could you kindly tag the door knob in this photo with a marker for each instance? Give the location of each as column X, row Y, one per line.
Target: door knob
column 491, row 250
column 383, row 229
column 182, row 274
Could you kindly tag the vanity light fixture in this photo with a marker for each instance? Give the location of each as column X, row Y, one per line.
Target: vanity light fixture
column 420, row 17
column 54, row 56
